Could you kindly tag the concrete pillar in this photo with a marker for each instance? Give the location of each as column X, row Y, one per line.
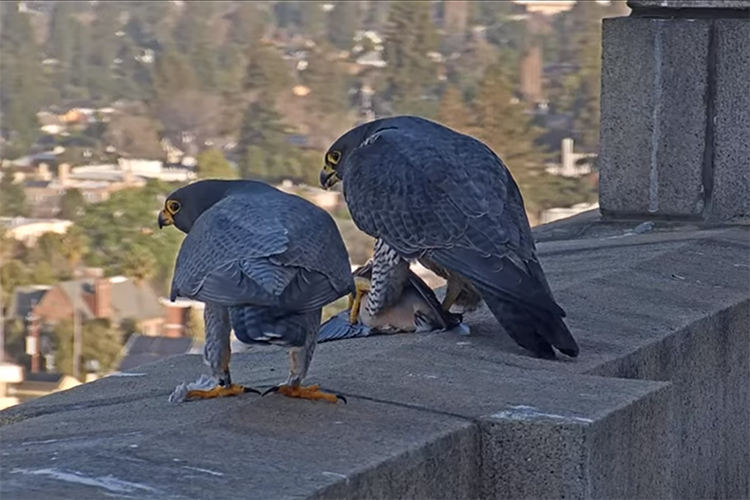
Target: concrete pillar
column 675, row 119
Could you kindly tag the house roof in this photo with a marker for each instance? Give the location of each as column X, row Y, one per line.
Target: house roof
column 74, row 291
column 142, row 349
column 23, row 298
column 129, row 300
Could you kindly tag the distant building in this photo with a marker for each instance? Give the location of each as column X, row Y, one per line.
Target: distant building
column 547, row 7
column 372, row 59
column 572, row 164
column 132, row 172
column 177, row 316
column 115, row 299
column 29, row 230
column 10, row 374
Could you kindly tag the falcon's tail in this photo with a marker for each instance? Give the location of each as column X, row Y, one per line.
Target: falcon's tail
column 338, row 327
column 536, row 331
column 264, row 325
column 520, row 300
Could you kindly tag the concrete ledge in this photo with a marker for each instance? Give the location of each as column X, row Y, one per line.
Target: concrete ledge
column 690, row 4
column 655, row 407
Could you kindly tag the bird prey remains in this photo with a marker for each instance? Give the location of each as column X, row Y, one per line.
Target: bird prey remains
column 416, row 309
column 265, row 263
column 429, row 193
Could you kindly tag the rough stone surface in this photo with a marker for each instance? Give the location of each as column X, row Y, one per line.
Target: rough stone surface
column 656, row 406
column 690, row 4
column 731, row 190
column 653, row 116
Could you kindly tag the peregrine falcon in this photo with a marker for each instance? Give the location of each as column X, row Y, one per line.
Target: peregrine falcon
column 417, row 309
column 431, row 194
column 265, row 263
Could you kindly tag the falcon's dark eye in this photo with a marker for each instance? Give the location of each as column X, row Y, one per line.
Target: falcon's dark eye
column 334, row 157
column 173, row 207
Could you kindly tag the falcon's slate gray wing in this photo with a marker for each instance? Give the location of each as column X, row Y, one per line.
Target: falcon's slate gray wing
column 338, row 328
column 272, row 250
column 448, row 195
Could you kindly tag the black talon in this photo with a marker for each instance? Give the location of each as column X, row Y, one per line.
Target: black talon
column 250, row 389
column 341, row 398
column 270, row 390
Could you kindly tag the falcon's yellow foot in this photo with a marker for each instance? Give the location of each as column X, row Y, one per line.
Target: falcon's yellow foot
column 220, row 392
column 302, row 392
column 361, row 288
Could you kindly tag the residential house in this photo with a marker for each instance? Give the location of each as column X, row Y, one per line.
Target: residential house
column 24, row 299
column 44, row 198
column 116, row 299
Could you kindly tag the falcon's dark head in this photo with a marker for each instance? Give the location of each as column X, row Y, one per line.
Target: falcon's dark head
column 184, row 205
column 334, row 166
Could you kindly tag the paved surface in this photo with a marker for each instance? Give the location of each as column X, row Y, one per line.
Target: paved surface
column 656, row 406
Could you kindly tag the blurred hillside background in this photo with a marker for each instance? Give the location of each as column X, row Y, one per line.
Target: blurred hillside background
column 107, row 106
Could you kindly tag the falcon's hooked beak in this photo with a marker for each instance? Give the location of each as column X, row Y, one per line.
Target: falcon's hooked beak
column 165, row 218
column 328, row 177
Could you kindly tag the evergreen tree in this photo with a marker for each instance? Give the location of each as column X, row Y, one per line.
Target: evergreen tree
column 12, row 197
column 247, row 24
column 80, row 62
column 266, row 70
column 192, row 25
column 453, row 111
column 62, row 40
column 172, row 75
column 328, row 82
column 72, row 204
column 312, row 18
column 262, row 139
column 193, row 39
column 138, row 263
column 410, row 73
column 230, row 82
column 23, row 89
column 503, row 124
column 104, row 45
column 582, row 86
column 343, row 23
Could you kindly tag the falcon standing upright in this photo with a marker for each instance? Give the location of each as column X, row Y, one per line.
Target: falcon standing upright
column 265, row 263
column 429, row 193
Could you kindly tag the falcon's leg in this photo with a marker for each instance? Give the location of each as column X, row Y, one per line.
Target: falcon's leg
column 390, row 273
column 217, row 354
column 299, row 362
column 361, row 288
column 452, row 291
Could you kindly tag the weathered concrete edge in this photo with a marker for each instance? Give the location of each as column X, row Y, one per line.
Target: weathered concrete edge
column 624, row 454
column 448, row 467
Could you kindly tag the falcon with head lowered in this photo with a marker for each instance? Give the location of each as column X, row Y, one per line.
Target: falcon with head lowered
column 265, row 263
column 429, row 193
